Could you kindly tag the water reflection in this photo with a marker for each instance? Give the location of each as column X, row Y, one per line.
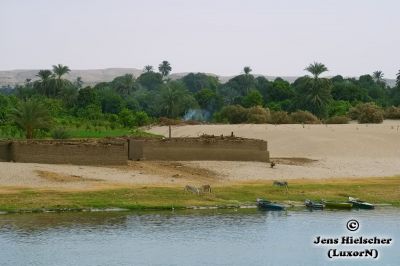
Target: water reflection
column 192, row 237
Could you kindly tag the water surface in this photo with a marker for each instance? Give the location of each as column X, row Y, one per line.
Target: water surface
column 212, row 237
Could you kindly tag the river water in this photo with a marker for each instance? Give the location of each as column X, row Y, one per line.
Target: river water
column 200, row 237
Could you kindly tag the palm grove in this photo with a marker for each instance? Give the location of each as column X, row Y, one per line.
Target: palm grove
column 52, row 106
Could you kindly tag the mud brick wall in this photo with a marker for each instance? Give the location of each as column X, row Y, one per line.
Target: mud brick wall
column 197, row 149
column 5, row 151
column 80, row 153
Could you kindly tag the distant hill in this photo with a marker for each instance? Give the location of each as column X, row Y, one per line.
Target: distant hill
column 93, row 76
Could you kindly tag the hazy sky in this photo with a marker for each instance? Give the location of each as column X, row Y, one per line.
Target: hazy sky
column 274, row 37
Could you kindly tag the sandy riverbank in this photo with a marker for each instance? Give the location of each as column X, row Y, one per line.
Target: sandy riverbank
column 309, row 151
column 312, row 151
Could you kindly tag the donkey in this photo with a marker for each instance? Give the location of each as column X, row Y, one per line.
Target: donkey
column 281, row 184
column 205, row 188
column 192, row 189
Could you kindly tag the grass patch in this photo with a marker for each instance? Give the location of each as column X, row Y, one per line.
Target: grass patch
column 379, row 190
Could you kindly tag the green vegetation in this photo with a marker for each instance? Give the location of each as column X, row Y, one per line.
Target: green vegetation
column 367, row 113
column 337, row 120
column 392, row 113
column 60, row 108
column 30, row 116
column 304, row 117
column 375, row 190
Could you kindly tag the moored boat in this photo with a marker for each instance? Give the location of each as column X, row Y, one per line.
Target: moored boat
column 314, row 205
column 359, row 204
column 337, row 205
column 268, row 205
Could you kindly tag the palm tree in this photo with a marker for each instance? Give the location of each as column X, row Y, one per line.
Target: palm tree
column 247, row 70
column 45, row 75
column 30, row 116
column 315, row 94
column 78, row 82
column 164, row 68
column 128, row 84
column 316, row 69
column 378, row 75
column 60, row 70
column 171, row 99
column 148, row 68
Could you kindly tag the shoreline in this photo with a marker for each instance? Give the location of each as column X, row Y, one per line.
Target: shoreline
column 377, row 191
column 297, row 207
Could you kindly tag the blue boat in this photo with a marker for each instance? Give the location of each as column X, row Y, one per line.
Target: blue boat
column 268, row 205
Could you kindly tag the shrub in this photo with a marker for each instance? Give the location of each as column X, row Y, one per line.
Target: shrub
column 392, row 112
column 279, row 117
column 339, row 119
column 60, row 133
column 304, row 117
column 258, row 115
column 353, row 113
column 338, row 108
column 126, row 118
column 141, row 119
column 234, row 114
column 367, row 113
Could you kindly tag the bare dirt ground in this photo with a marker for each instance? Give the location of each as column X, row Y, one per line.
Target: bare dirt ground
column 72, row 177
column 309, row 151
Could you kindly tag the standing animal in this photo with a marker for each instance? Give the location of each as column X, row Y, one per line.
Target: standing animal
column 192, row 189
column 206, row 188
column 273, row 164
column 280, row 183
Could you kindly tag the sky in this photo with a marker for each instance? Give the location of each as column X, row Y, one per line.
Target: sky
column 277, row 38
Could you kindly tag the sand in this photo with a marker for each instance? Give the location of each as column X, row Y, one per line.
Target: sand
column 351, row 150
column 309, row 151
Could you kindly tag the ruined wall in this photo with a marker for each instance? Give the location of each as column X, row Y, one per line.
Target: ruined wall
column 5, row 151
column 70, row 152
column 192, row 149
column 117, row 152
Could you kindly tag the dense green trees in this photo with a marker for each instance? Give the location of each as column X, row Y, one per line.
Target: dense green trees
column 129, row 101
column 124, row 85
column 195, row 82
column 253, row 98
column 174, row 100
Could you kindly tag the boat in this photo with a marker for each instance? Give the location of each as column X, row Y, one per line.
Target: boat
column 268, row 205
column 314, row 205
column 359, row 204
column 337, row 205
